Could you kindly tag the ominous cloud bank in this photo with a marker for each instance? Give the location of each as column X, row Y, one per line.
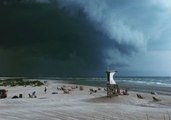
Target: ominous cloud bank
column 74, row 37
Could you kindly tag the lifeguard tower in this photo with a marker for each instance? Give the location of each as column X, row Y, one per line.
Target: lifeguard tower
column 112, row 87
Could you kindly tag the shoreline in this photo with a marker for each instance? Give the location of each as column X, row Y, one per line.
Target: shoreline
column 141, row 84
column 141, row 90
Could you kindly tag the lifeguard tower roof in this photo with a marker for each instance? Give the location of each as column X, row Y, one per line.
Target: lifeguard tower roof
column 110, row 78
column 112, row 71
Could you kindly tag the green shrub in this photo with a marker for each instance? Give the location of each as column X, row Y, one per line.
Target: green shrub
column 20, row 82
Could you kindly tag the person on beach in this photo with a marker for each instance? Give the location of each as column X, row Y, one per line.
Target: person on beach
column 45, row 89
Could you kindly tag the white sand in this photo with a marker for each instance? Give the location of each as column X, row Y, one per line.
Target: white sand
column 80, row 105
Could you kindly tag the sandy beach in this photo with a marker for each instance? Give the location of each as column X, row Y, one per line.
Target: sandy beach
column 81, row 105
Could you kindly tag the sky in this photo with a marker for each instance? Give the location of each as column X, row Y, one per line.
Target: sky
column 85, row 37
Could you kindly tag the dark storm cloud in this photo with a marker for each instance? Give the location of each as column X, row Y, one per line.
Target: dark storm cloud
column 47, row 39
column 73, row 37
column 111, row 18
column 132, row 28
column 40, row 39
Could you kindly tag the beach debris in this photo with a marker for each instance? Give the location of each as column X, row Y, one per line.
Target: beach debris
column 125, row 92
column 20, row 95
column 45, row 89
column 63, row 87
column 99, row 88
column 54, row 92
column 105, row 89
column 30, row 96
column 3, row 93
column 81, row 88
column 34, row 94
column 69, row 88
column 156, row 99
column 14, row 97
column 92, row 90
column 139, row 96
column 66, row 91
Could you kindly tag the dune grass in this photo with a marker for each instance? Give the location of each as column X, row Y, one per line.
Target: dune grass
column 20, row 82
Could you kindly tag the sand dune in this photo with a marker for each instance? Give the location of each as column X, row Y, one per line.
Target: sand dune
column 80, row 105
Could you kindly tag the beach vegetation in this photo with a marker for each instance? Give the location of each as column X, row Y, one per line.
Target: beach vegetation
column 20, row 82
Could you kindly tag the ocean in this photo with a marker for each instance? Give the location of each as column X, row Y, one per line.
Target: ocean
column 161, row 85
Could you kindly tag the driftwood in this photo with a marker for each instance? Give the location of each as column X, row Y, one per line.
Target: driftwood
column 14, row 97
column 155, row 98
column 139, row 96
column 54, row 92
column 92, row 90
